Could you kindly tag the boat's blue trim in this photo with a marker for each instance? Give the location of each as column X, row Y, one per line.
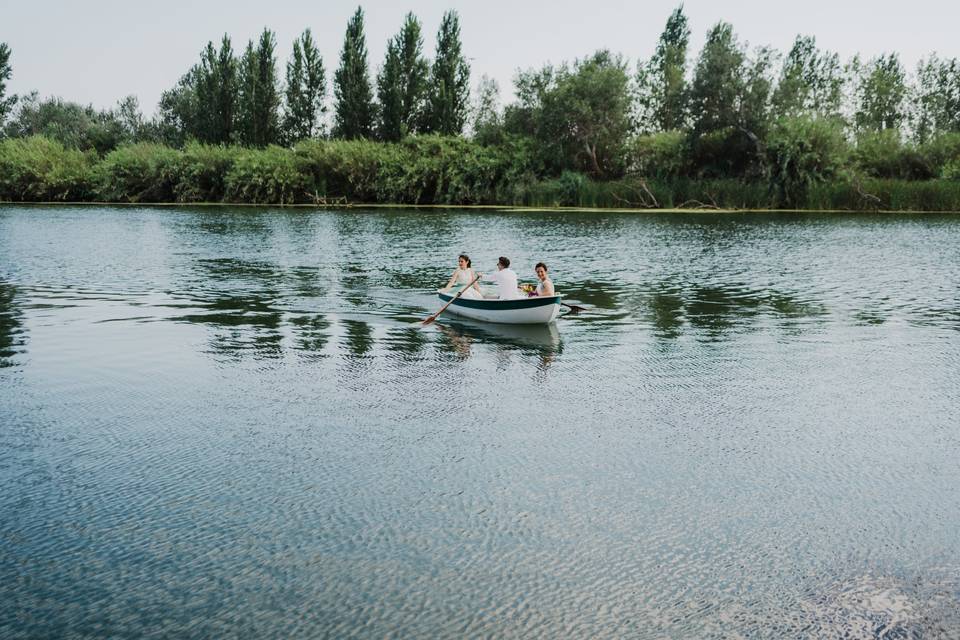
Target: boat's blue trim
column 502, row 305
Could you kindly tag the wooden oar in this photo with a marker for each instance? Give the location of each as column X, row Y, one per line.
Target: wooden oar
column 444, row 307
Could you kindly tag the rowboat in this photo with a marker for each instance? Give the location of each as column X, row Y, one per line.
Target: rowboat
column 535, row 310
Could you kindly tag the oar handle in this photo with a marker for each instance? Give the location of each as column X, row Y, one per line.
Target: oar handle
column 452, row 300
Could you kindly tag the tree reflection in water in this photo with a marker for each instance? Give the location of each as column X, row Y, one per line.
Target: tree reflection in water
column 358, row 338
column 238, row 300
column 12, row 331
column 407, row 342
column 711, row 311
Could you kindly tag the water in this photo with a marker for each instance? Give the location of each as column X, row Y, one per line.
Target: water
column 228, row 423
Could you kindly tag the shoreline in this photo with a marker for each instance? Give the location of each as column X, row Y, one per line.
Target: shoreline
column 467, row 207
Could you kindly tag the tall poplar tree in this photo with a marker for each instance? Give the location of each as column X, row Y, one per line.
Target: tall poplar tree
column 216, row 93
column 661, row 82
column 414, row 73
column 717, row 81
column 6, row 71
column 936, row 98
column 259, row 97
column 880, row 94
column 449, row 97
column 487, row 115
column 390, row 121
column 354, row 114
column 402, row 82
column 178, row 111
column 306, row 90
column 811, row 81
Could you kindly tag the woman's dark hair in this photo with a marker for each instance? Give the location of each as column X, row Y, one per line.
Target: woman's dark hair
column 504, row 261
column 465, row 257
column 540, row 264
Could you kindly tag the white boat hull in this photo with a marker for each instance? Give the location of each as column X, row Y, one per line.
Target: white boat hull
column 536, row 310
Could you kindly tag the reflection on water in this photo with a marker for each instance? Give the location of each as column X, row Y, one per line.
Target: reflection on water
column 717, row 309
column 12, row 333
column 312, row 332
column 750, row 432
column 358, row 338
column 542, row 341
column 237, row 299
column 408, row 342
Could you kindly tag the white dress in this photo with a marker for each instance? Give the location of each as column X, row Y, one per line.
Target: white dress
column 465, row 277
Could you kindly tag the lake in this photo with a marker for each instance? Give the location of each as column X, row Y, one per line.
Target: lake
column 228, row 422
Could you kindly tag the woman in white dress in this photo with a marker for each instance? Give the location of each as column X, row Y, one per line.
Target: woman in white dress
column 545, row 286
column 463, row 276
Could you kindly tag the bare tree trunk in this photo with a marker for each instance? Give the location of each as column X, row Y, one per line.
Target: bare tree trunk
column 592, row 154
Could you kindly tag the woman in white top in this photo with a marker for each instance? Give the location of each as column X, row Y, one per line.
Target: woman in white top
column 545, row 286
column 463, row 276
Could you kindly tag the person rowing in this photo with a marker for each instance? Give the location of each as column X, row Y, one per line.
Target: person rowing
column 464, row 276
column 505, row 279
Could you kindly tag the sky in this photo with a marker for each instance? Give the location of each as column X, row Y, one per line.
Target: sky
column 98, row 51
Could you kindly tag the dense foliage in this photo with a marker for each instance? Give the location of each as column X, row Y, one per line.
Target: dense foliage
column 402, row 84
column 306, row 89
column 430, row 169
column 447, row 101
column 6, row 70
column 354, row 115
column 730, row 125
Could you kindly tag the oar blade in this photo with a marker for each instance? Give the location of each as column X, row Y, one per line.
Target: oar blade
column 574, row 308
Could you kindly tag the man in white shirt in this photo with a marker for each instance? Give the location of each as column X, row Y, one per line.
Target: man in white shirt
column 505, row 278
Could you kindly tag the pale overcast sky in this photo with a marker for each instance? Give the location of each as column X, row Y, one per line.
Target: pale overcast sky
column 98, row 51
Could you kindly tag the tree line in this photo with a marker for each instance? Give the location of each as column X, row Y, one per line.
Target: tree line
column 230, row 99
column 729, row 112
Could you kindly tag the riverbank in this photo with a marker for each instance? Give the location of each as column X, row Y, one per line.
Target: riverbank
column 420, row 172
column 448, row 207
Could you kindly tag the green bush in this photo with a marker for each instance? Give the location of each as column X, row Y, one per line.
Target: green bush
column 805, row 159
column 447, row 170
column 882, row 154
column 941, row 153
column 142, row 172
column 659, row 155
column 202, row 172
column 801, row 152
column 37, row 169
column 343, row 168
column 266, row 176
column 726, row 153
column 951, row 171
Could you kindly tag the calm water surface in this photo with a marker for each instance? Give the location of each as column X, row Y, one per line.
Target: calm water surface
column 228, row 423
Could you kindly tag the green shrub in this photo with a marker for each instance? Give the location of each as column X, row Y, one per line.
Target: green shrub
column 659, row 155
column 951, row 171
column 446, row 170
column 37, row 169
column 883, row 155
column 143, row 172
column 943, row 155
column 266, row 176
column 202, row 172
column 343, row 168
column 726, row 153
column 801, row 152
